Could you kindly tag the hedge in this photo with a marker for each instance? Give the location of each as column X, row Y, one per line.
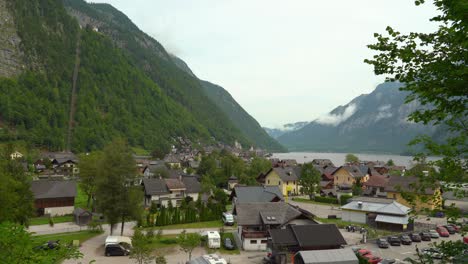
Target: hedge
column 326, row 200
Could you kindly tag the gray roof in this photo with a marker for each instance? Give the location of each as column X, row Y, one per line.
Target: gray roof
column 192, row 184
column 308, row 236
column 409, row 184
column 401, row 220
column 336, row 256
column 257, row 194
column 393, row 208
column 356, row 171
column 43, row 189
column 155, row 186
column 256, row 213
column 287, row 173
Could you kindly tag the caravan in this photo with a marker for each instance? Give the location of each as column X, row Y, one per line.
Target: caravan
column 213, row 239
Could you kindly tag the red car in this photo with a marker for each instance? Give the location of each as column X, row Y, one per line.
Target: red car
column 364, row 252
column 465, row 239
column 371, row 259
column 442, row 231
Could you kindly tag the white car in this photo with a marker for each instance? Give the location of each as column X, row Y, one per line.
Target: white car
column 433, row 233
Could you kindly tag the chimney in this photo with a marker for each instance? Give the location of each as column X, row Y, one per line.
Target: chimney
column 359, row 204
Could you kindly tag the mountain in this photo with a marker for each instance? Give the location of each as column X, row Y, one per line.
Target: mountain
column 88, row 67
column 375, row 122
column 246, row 123
column 277, row 132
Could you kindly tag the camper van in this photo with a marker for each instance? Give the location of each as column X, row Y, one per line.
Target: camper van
column 213, row 238
column 228, row 219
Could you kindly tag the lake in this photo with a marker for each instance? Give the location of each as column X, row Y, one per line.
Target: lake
column 339, row 158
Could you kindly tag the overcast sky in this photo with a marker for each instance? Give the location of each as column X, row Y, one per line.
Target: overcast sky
column 283, row 61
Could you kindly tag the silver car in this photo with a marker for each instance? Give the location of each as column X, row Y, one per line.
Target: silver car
column 433, row 233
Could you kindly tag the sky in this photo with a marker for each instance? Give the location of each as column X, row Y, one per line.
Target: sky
column 282, row 61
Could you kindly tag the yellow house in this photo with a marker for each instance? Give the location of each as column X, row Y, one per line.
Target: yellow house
column 348, row 175
column 285, row 178
column 400, row 187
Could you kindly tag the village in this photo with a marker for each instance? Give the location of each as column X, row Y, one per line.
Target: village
column 356, row 210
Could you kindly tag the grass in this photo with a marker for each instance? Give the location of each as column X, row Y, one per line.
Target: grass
column 207, row 224
column 81, row 198
column 164, row 241
column 82, row 236
column 302, row 200
column 140, row 151
column 44, row 220
column 371, row 232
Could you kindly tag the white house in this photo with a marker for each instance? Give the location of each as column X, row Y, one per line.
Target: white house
column 16, row 155
column 172, row 190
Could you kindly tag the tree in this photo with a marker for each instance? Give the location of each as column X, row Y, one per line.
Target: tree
column 188, row 242
column 161, row 260
column 141, row 248
column 17, row 247
column 351, row 158
column 432, row 67
column 451, row 252
column 310, row 179
column 116, row 171
column 89, row 164
column 390, row 162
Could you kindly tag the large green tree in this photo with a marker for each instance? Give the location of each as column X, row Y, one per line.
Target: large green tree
column 351, row 158
column 188, row 242
column 310, row 179
column 116, row 171
column 433, row 68
column 89, row 165
column 141, row 248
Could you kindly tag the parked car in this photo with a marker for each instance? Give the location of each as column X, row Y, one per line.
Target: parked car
column 363, row 252
column 442, row 231
column 434, row 233
column 465, row 239
column 116, row 250
column 416, row 238
column 426, row 236
column 450, row 229
column 387, row 261
column 405, row 240
column 382, row 243
column 394, row 241
column 371, row 259
column 228, row 219
column 432, row 252
column 228, row 244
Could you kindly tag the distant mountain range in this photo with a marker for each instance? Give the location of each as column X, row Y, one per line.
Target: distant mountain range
column 277, row 132
column 375, row 122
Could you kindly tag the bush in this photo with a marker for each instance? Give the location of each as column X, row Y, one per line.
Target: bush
column 326, row 200
column 168, row 241
column 344, row 199
column 150, row 233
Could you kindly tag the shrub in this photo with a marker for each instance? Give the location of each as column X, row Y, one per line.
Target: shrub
column 344, row 199
column 168, row 241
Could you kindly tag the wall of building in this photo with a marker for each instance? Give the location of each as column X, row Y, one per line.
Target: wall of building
column 249, row 244
column 57, row 211
column 353, row 216
column 273, row 179
column 429, row 202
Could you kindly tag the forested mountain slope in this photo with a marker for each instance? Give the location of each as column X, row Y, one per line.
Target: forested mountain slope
column 128, row 86
column 375, row 122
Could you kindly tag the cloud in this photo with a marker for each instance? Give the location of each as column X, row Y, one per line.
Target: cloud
column 384, row 112
column 334, row 120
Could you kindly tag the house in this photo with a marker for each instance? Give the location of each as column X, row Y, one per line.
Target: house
column 82, row 217
column 255, row 220
column 349, row 175
column 16, row 155
column 306, row 237
column 232, row 182
column 172, row 161
column 256, row 194
column 331, row 256
column 378, row 212
column 154, row 169
column 173, row 190
column 428, row 198
column 62, row 162
column 323, row 163
column 285, row 178
column 375, row 186
column 54, row 197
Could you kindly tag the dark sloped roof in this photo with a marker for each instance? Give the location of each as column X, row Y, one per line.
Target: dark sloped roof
column 377, row 181
column 174, row 184
column 407, row 184
column 356, row 171
column 257, row 194
column 307, row 236
column 53, row 189
column 192, row 184
column 286, row 174
column 155, row 186
column 252, row 213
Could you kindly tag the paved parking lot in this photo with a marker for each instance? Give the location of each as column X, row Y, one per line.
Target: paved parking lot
column 404, row 251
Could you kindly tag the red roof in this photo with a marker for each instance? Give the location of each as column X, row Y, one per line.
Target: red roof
column 377, row 181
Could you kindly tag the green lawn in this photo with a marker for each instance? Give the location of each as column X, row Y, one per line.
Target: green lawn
column 164, row 241
column 208, row 224
column 82, row 236
column 372, row 233
column 81, row 198
column 302, row 200
column 44, row 220
column 140, row 151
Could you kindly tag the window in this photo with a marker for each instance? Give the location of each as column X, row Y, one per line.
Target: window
column 349, row 179
column 264, row 241
column 268, row 181
column 394, row 196
column 287, row 182
column 253, row 241
column 279, row 183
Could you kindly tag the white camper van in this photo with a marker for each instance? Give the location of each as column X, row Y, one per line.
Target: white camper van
column 214, row 239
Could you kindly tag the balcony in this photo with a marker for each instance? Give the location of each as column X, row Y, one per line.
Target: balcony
column 253, row 234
